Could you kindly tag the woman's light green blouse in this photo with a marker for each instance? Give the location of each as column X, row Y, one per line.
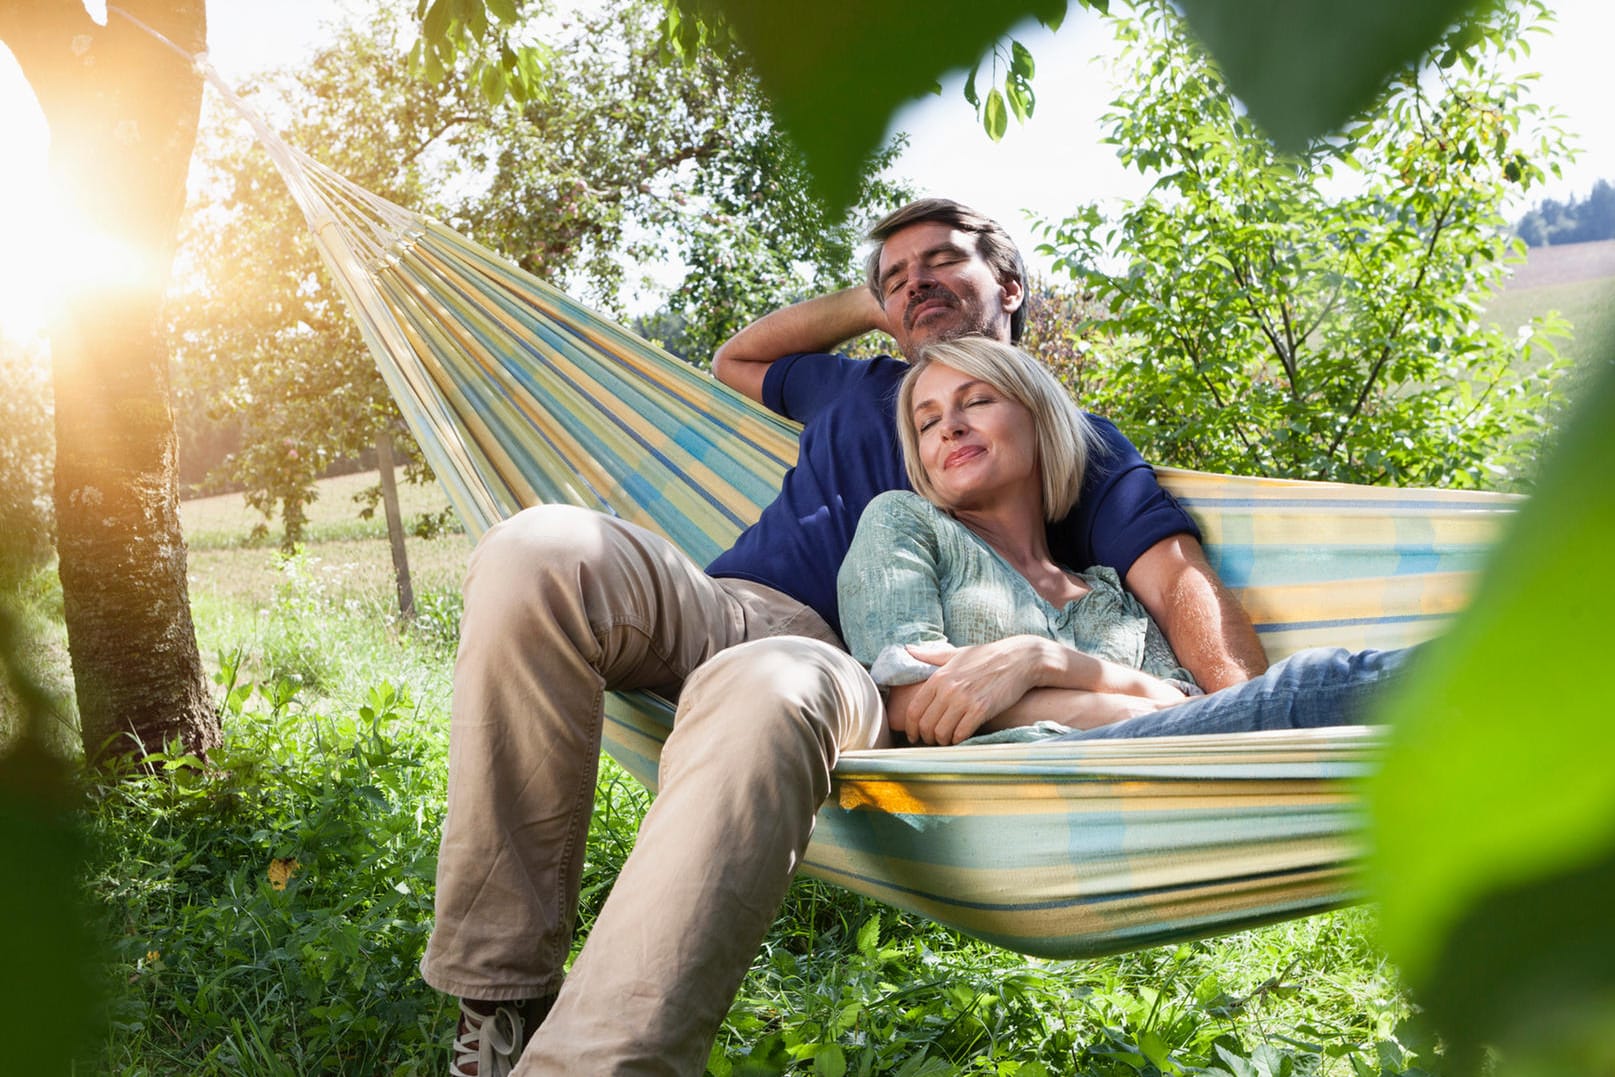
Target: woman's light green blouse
column 916, row 575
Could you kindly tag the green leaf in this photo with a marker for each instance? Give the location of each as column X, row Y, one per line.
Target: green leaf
column 434, row 28
column 1021, row 62
column 51, row 987
column 1304, row 66
column 993, row 117
column 1152, row 1047
column 869, row 935
column 1494, row 815
column 830, row 1061
column 1021, row 101
column 970, row 88
column 475, row 17
column 505, row 11
column 493, row 83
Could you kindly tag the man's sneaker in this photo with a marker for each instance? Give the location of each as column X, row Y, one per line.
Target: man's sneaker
column 488, row 1044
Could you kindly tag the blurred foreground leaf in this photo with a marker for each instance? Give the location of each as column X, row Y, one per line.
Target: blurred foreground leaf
column 49, row 1016
column 1304, row 66
column 1494, row 816
column 837, row 70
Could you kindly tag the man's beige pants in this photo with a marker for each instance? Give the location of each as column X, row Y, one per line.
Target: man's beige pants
column 561, row 605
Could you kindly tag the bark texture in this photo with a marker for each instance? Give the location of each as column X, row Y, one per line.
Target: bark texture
column 122, row 110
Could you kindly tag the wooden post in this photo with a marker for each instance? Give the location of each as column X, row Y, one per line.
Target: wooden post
column 395, row 525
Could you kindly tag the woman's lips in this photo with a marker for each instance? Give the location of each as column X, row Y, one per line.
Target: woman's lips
column 961, row 454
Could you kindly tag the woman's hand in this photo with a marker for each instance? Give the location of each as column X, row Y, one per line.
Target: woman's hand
column 1017, row 681
column 972, row 685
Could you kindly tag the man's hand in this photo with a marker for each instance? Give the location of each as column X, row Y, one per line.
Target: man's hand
column 813, row 325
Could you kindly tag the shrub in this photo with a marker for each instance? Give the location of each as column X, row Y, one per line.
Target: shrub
column 1317, row 315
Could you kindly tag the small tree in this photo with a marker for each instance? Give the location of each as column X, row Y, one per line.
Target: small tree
column 618, row 156
column 1062, row 331
column 1319, row 315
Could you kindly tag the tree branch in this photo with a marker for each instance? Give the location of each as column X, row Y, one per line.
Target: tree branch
column 1189, row 353
column 1285, row 360
column 1385, row 351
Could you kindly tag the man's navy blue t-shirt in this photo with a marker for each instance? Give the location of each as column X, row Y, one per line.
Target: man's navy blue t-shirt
column 849, row 452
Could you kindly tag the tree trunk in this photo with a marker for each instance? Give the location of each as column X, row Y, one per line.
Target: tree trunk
column 395, row 524
column 122, row 111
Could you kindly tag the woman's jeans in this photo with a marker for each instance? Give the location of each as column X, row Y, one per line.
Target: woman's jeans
column 1323, row 686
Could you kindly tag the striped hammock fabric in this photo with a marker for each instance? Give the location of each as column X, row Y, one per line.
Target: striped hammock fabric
column 518, row 395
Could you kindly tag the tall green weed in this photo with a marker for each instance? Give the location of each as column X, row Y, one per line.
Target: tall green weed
column 265, row 914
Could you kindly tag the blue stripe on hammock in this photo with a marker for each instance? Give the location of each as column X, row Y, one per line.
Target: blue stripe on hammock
column 644, row 493
column 1252, row 565
column 1352, row 622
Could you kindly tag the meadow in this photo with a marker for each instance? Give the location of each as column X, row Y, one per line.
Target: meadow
column 265, row 915
column 1576, row 281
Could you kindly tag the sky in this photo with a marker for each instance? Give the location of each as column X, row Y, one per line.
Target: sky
column 1046, row 168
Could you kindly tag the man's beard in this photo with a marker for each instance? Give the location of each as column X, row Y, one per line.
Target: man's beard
column 964, row 320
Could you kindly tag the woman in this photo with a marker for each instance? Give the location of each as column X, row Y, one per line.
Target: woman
column 951, row 597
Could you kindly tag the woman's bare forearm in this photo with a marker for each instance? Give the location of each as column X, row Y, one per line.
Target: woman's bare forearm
column 1072, row 707
column 1067, row 667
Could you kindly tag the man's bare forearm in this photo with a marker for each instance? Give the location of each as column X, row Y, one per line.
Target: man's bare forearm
column 1217, row 642
column 1209, row 630
column 1072, row 707
column 813, row 325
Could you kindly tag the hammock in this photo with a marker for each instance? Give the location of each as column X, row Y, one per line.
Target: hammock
column 519, row 395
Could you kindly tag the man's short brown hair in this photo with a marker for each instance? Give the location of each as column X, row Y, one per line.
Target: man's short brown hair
column 992, row 243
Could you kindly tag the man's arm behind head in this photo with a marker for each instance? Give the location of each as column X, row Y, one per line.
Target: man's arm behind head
column 813, row 325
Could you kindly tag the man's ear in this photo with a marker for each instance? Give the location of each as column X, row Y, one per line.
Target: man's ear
column 1014, row 295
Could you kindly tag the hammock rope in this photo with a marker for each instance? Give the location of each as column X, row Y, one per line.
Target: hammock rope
column 519, row 395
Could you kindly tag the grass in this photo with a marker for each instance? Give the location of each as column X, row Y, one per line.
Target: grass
column 32, row 606
column 1587, row 305
column 326, row 620
column 265, row 915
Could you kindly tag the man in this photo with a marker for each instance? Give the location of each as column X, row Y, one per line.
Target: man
column 564, row 604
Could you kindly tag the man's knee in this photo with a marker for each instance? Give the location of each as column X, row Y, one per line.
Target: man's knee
column 783, row 686
column 541, row 539
column 561, row 557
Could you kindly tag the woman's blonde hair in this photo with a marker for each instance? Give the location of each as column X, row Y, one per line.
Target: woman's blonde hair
column 1064, row 435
